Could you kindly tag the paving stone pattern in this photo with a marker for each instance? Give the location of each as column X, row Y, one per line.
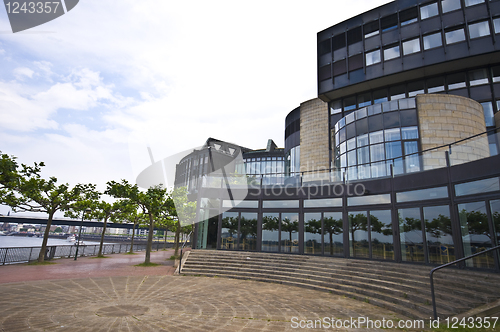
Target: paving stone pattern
column 168, row 303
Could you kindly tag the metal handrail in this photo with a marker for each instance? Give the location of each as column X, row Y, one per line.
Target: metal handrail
column 180, row 256
column 446, row 265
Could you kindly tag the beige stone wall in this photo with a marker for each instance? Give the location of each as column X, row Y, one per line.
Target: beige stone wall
column 445, row 119
column 314, row 133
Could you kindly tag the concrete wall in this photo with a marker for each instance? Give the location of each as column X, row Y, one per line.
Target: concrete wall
column 445, row 119
column 314, row 146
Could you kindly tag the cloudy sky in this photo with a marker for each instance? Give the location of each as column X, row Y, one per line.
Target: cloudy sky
column 88, row 92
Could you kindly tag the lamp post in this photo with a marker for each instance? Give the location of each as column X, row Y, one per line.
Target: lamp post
column 87, row 210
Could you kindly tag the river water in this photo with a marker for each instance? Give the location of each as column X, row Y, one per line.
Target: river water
column 21, row 241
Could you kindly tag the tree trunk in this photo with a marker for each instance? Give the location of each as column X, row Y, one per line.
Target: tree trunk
column 150, row 240
column 133, row 234
column 165, row 239
column 43, row 249
column 102, row 237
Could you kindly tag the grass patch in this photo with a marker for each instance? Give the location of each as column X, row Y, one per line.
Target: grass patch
column 42, row 263
column 130, row 253
column 173, row 257
column 147, row 264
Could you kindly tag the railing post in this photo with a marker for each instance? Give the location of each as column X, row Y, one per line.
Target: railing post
column 29, row 258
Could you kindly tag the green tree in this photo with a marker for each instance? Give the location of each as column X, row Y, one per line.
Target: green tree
column 34, row 194
column 153, row 203
column 58, row 229
column 184, row 210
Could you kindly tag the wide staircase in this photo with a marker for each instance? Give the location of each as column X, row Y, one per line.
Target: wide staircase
column 402, row 288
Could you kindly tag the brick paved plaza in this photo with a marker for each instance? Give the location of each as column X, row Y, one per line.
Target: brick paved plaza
column 160, row 302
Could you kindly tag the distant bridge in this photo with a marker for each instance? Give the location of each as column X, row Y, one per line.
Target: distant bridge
column 59, row 222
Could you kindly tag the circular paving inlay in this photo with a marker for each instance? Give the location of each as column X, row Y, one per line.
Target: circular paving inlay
column 122, row 311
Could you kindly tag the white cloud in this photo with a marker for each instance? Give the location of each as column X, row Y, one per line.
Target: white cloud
column 22, row 72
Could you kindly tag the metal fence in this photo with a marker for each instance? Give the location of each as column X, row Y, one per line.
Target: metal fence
column 29, row 254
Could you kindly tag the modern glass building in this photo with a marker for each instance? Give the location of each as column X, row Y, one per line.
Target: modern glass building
column 397, row 159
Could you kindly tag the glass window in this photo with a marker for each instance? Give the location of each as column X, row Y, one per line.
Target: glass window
column 496, row 73
column 364, row 99
column 290, row 232
column 363, row 155
column 241, row 204
column 351, row 158
column 280, row 204
column 389, row 22
column 362, row 126
column 476, row 236
column 411, row 237
column 432, row 41
column 454, row 36
column 412, row 159
column 338, row 41
column 408, row 16
column 312, row 233
column 358, row 235
column 380, row 96
column 411, row 46
column 435, row 84
column 440, row 246
column 354, row 36
column 391, row 52
column 391, row 120
column 377, row 152
column 393, row 150
column 349, row 103
column 450, row 5
column 351, row 144
column 378, row 169
column 477, row 187
column 369, row 200
column 429, row 11
column 229, row 231
column 422, row 194
column 472, row 2
column 372, row 57
column 248, row 231
column 415, row 88
column 489, row 118
column 374, row 109
column 333, row 228
column 339, row 67
column 397, row 92
column 496, row 25
column 375, row 122
column 409, row 133
column 456, row 81
column 364, row 170
column 392, row 135
column 343, row 147
column 495, row 214
column 408, row 118
column 480, row 29
column 371, row 29
column 362, row 140
column 323, row 202
column 360, row 114
column 270, row 232
column 478, row 77
column 381, row 235
column 376, row 137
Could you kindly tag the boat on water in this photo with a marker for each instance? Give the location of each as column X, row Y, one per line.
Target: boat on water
column 71, row 238
column 2, row 233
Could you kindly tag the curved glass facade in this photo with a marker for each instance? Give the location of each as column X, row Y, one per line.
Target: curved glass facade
column 368, row 141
